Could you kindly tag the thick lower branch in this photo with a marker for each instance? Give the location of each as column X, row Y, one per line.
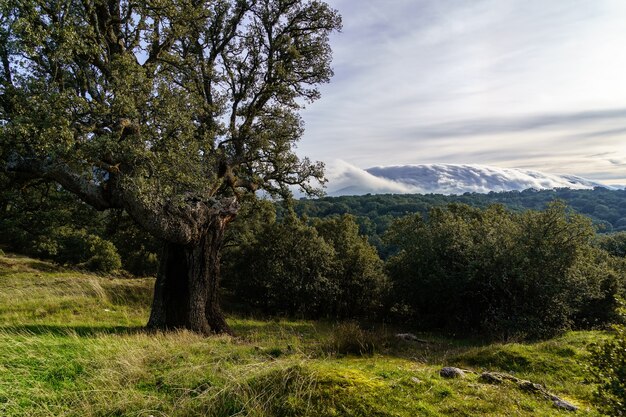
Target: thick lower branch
column 181, row 224
column 91, row 193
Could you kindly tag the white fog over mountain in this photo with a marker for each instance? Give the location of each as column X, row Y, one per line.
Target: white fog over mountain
column 347, row 179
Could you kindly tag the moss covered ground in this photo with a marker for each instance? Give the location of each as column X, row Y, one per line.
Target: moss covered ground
column 72, row 344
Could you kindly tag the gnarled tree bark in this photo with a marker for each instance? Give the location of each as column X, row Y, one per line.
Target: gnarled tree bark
column 186, row 294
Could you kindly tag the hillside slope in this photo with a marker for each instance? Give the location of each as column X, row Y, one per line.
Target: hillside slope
column 71, row 344
column 605, row 207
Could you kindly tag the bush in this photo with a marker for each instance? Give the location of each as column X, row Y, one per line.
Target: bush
column 77, row 247
column 104, row 256
column 44, row 221
column 291, row 268
column 137, row 248
column 284, row 269
column 608, row 369
column 508, row 275
column 358, row 271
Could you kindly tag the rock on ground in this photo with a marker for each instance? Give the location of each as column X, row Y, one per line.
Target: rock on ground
column 451, row 372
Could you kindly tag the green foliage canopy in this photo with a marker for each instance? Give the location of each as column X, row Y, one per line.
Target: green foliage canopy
column 286, row 268
column 161, row 108
column 375, row 213
column 614, row 243
column 361, row 283
column 290, row 267
column 511, row 275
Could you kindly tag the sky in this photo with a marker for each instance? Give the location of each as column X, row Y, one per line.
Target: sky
column 531, row 84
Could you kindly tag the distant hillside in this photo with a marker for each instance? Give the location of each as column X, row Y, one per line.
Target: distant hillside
column 607, row 208
column 346, row 179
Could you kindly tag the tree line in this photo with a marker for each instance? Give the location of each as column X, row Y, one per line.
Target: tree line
column 374, row 213
column 606, row 207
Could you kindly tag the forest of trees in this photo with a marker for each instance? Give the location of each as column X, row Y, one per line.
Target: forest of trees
column 375, row 213
column 136, row 137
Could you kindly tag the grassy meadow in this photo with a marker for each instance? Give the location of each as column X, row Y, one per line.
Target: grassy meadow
column 72, row 344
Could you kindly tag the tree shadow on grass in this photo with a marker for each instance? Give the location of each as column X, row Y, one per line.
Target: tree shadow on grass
column 60, row 330
column 244, row 327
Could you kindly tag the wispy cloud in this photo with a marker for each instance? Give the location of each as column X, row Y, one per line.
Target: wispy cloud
column 518, row 83
column 493, row 126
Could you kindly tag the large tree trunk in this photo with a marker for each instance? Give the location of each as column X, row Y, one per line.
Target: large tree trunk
column 187, row 286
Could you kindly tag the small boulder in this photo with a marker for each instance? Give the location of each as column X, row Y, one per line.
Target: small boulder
column 451, row 372
column 491, row 378
column 529, row 386
column 559, row 403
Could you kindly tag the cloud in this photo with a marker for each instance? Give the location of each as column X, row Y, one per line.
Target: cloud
column 521, row 82
column 346, row 179
column 524, row 124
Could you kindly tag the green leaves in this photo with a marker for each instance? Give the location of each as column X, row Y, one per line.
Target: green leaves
column 287, row 268
column 163, row 100
column 531, row 274
column 327, row 269
column 608, row 370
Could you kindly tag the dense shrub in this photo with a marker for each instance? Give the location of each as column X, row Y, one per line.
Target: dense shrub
column 68, row 246
column 77, row 247
column 510, row 275
column 290, row 267
column 286, row 269
column 138, row 249
column 45, row 221
column 358, row 271
column 608, row 369
column 30, row 217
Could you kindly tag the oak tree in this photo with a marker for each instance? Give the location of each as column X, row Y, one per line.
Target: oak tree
column 170, row 110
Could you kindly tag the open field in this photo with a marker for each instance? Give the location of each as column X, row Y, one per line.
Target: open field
column 72, row 344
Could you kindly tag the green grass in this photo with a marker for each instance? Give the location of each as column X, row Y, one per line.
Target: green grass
column 72, row 344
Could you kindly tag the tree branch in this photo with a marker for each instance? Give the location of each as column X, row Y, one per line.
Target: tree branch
column 95, row 195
